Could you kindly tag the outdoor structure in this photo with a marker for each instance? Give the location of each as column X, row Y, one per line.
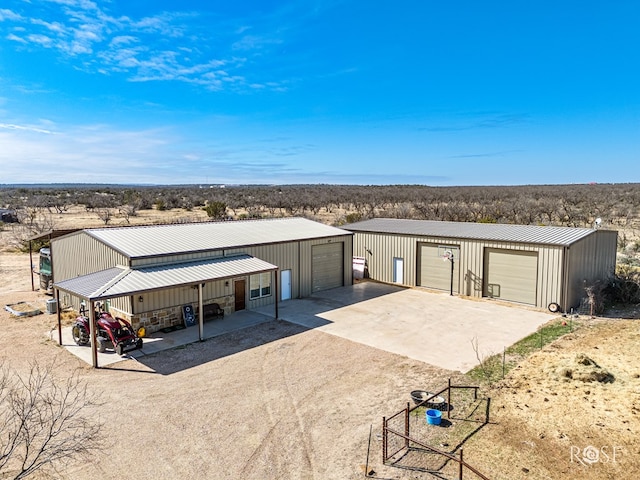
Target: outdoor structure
column 532, row 265
column 148, row 274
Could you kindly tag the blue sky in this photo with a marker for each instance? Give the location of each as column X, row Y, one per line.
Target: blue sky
column 312, row 91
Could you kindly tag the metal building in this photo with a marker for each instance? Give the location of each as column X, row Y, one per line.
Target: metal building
column 527, row 264
column 148, row 274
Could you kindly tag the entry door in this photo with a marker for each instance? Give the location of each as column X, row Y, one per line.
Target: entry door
column 285, row 284
column 239, row 287
column 398, row 270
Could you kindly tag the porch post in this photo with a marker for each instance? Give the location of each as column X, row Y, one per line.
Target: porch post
column 92, row 333
column 277, row 292
column 200, row 314
column 33, row 288
column 57, row 295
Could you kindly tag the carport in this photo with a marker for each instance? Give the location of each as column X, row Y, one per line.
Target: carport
column 124, row 281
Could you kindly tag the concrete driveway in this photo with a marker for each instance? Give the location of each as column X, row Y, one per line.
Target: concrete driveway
column 435, row 328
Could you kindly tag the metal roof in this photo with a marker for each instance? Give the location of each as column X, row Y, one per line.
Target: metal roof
column 53, row 233
column 123, row 281
column 157, row 240
column 86, row 285
column 563, row 236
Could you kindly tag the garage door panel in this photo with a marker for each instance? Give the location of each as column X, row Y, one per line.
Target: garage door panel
column 511, row 275
column 436, row 273
column 327, row 266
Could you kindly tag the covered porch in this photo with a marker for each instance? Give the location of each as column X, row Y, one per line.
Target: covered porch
column 124, row 281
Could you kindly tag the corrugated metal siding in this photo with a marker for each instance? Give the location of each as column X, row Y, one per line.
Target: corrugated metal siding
column 185, row 257
column 384, row 247
column 473, row 231
column 297, row 257
column 285, row 255
column 157, row 300
column 85, row 250
column 592, row 258
column 79, row 254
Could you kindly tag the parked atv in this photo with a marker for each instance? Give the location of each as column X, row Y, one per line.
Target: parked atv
column 114, row 333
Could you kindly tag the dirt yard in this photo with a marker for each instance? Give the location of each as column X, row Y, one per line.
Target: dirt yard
column 560, row 416
column 281, row 401
column 278, row 401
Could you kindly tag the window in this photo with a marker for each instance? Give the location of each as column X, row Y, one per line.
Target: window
column 260, row 285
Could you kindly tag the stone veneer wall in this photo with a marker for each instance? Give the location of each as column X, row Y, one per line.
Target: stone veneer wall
column 167, row 317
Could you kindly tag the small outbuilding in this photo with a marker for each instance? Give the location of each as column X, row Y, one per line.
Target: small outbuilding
column 541, row 266
column 148, row 274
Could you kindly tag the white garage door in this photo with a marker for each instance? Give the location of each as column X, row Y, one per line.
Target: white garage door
column 511, row 275
column 327, row 265
column 434, row 271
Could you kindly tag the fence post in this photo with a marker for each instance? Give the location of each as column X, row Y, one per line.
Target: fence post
column 461, row 464
column 366, row 465
column 504, row 358
column 384, row 440
column 488, row 409
column 449, row 400
column 406, row 426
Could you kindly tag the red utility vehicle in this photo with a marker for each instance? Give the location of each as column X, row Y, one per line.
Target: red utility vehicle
column 114, row 333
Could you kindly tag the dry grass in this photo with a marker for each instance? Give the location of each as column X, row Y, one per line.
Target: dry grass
column 581, row 391
column 544, row 415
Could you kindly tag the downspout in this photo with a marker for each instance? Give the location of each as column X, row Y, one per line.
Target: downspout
column 565, row 279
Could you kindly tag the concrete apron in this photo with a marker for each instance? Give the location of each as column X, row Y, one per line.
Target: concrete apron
column 435, row 328
column 159, row 341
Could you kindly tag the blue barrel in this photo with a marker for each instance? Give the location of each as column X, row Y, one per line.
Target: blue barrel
column 433, row 416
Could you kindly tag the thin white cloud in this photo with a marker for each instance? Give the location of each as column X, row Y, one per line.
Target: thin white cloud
column 6, row 14
column 40, row 40
column 25, row 128
column 122, row 40
column 102, row 153
column 255, row 42
column 15, row 38
column 52, row 26
column 168, row 46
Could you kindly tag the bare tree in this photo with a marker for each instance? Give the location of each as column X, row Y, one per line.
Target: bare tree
column 32, row 222
column 127, row 211
column 104, row 214
column 44, row 422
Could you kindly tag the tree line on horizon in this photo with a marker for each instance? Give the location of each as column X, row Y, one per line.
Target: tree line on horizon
column 567, row 205
column 575, row 205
